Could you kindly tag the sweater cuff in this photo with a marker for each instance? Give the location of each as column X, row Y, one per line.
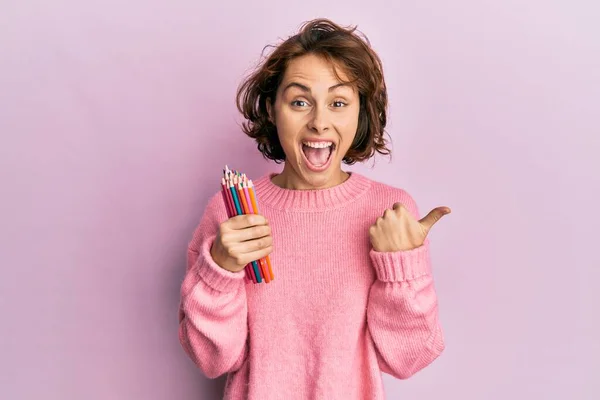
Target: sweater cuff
column 213, row 275
column 402, row 265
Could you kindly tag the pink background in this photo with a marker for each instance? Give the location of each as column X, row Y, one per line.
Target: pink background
column 116, row 117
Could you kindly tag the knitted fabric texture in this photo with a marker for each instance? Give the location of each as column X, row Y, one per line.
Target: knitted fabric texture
column 338, row 313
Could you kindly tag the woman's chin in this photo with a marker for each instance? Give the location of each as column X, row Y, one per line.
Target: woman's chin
column 322, row 179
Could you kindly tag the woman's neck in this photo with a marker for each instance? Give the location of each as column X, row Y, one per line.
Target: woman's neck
column 290, row 179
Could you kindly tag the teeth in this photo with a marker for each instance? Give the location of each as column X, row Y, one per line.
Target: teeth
column 318, row 145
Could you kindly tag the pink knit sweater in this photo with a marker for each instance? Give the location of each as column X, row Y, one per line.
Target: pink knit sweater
column 337, row 314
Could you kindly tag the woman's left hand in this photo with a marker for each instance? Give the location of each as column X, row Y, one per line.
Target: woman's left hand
column 398, row 230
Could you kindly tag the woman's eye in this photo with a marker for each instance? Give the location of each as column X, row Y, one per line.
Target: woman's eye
column 299, row 103
column 338, row 104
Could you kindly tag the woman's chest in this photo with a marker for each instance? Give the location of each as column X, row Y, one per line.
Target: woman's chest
column 320, row 246
column 322, row 271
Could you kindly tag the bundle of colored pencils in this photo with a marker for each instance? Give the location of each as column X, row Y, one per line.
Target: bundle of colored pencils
column 240, row 198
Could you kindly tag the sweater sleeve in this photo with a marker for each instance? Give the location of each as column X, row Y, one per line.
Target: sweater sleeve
column 213, row 309
column 402, row 311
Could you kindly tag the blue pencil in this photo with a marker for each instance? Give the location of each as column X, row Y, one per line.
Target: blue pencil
column 235, row 200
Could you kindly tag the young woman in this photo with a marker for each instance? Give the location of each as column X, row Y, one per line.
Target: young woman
column 353, row 294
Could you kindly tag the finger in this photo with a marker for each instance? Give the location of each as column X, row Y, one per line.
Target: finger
column 244, row 221
column 242, row 235
column 434, row 216
column 246, row 258
column 387, row 214
column 254, row 245
column 395, row 207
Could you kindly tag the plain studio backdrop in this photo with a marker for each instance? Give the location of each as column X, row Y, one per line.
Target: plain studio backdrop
column 117, row 117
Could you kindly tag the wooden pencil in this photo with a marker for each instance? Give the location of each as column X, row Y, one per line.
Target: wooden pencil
column 256, row 263
column 249, row 271
column 240, row 198
column 239, row 201
column 251, row 205
column 255, row 207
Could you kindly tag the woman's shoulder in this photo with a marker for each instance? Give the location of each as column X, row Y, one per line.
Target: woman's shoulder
column 383, row 188
column 386, row 195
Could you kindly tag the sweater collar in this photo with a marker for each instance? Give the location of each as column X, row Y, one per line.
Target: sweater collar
column 273, row 196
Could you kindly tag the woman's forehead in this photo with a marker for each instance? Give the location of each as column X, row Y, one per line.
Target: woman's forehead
column 311, row 70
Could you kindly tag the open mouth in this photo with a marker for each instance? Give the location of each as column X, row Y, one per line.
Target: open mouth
column 317, row 154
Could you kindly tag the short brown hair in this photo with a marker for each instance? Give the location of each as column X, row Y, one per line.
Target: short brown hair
column 344, row 48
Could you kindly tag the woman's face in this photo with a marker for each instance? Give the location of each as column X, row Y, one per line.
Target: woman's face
column 316, row 117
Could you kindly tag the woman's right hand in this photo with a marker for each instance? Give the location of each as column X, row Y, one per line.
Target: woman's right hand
column 241, row 240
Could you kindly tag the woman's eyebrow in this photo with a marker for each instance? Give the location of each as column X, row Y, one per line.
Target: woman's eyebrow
column 302, row 87
column 305, row 88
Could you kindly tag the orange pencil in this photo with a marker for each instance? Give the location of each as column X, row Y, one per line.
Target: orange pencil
column 255, row 207
column 242, row 197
